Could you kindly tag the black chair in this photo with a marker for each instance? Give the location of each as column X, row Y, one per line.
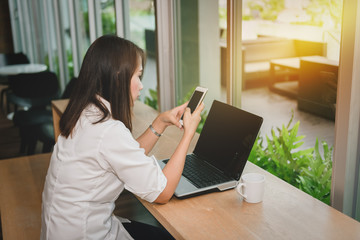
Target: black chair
column 16, row 58
column 35, row 92
column 33, row 124
column 42, row 128
column 46, row 131
column 13, row 58
column 9, row 59
column 33, row 89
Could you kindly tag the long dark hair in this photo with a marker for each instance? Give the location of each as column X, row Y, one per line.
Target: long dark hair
column 106, row 71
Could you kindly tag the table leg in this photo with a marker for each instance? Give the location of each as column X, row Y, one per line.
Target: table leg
column 272, row 79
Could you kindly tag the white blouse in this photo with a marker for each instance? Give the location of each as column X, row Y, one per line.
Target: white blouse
column 87, row 173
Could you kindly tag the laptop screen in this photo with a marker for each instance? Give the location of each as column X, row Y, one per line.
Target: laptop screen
column 227, row 138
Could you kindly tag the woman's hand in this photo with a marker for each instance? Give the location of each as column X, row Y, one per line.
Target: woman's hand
column 191, row 121
column 175, row 166
column 171, row 117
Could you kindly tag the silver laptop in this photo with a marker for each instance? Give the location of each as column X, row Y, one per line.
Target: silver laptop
column 221, row 152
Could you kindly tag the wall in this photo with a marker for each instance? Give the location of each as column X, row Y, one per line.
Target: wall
column 345, row 192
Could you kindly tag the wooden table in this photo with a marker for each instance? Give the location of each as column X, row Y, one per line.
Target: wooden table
column 293, row 64
column 57, row 108
column 21, row 184
column 321, row 60
column 285, row 213
column 290, row 70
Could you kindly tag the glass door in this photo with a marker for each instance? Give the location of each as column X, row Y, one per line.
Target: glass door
column 200, row 44
column 291, row 59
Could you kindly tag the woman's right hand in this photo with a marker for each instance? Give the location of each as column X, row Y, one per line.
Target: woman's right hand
column 191, row 121
column 175, row 166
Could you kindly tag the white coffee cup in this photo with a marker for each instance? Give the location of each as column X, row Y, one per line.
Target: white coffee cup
column 251, row 187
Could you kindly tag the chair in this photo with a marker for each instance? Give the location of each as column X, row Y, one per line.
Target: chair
column 30, row 124
column 13, row 58
column 37, row 125
column 45, row 131
column 9, row 59
column 35, row 92
column 16, row 58
column 33, row 89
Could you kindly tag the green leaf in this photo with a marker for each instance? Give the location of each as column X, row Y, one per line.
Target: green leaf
column 319, row 171
column 279, row 153
column 153, row 93
column 326, row 178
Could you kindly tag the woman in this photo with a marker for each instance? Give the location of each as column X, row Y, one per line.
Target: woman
column 96, row 157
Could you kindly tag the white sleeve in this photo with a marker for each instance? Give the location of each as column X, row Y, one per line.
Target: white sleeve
column 140, row 174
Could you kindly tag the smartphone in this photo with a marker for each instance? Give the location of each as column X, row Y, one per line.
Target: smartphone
column 195, row 100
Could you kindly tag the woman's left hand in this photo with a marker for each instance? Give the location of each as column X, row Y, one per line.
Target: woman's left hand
column 172, row 117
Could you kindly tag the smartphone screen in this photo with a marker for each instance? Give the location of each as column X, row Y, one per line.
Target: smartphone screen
column 194, row 101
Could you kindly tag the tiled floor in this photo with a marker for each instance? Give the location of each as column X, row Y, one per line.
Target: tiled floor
column 277, row 110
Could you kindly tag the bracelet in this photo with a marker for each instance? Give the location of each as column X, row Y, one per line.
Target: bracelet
column 154, row 131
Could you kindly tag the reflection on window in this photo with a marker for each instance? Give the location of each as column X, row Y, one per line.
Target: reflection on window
column 142, row 18
column 83, row 27
column 199, row 27
column 108, row 17
column 142, row 33
column 66, row 38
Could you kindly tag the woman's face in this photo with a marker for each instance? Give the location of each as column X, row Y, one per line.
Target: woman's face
column 136, row 85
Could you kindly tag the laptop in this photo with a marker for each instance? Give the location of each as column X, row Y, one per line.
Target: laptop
column 221, row 152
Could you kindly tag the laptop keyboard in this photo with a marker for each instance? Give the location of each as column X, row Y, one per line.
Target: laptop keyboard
column 200, row 174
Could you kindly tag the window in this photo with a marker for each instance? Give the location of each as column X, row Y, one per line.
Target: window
column 142, row 32
column 198, row 49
